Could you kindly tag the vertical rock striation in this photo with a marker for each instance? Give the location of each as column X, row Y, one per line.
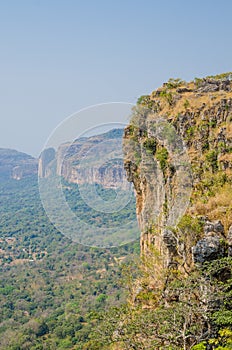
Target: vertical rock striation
column 93, row 160
column 178, row 152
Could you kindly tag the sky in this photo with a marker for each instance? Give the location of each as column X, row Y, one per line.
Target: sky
column 60, row 56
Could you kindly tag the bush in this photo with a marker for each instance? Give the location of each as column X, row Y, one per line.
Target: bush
column 211, row 158
column 162, row 157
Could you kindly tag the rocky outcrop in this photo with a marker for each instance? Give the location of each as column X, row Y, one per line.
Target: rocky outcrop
column 212, row 85
column 45, row 159
column 229, row 240
column 93, row 160
column 110, row 175
column 212, row 245
column 90, row 160
column 180, row 137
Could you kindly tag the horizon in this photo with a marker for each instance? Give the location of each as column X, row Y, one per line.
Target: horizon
column 60, row 57
column 90, row 135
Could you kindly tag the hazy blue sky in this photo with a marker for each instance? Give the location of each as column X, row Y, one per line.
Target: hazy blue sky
column 58, row 56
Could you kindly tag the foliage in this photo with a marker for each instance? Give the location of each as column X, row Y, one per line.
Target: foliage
column 227, row 75
column 51, row 288
column 162, row 157
column 168, row 96
column 150, row 145
column 211, row 158
column 174, row 83
column 143, row 99
column 146, row 101
column 174, row 318
column 171, row 320
column 186, row 104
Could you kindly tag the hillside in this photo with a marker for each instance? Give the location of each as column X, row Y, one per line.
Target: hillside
column 182, row 134
column 178, row 149
column 95, row 160
column 16, row 165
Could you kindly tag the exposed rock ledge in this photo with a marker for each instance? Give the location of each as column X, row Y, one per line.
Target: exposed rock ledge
column 200, row 113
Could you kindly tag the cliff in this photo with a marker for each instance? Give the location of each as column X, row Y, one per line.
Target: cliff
column 178, row 152
column 89, row 160
column 97, row 159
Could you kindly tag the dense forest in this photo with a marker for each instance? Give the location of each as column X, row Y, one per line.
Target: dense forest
column 52, row 291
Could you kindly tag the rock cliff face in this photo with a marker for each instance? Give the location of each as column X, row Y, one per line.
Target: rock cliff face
column 46, row 160
column 16, row 165
column 210, row 247
column 91, row 160
column 178, row 152
column 97, row 159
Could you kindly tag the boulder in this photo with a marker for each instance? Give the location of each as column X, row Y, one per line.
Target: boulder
column 211, row 246
column 213, row 226
column 229, row 241
column 207, row 249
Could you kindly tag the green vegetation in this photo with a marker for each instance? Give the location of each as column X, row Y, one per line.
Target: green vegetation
column 175, row 318
column 51, row 289
column 55, row 294
column 162, row 157
column 190, row 132
column 174, row 83
column 150, row 145
column 146, row 101
column 168, row 96
column 198, row 81
column 90, row 215
column 185, row 306
column 186, row 104
column 211, row 158
column 227, row 75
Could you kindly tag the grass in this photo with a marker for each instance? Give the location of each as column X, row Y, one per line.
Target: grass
column 174, row 103
column 218, row 206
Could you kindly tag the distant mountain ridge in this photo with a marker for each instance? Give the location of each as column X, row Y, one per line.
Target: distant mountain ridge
column 95, row 159
column 16, row 165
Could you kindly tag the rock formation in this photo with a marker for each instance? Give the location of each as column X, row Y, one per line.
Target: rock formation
column 45, row 159
column 211, row 246
column 97, row 159
column 178, row 152
column 91, row 160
